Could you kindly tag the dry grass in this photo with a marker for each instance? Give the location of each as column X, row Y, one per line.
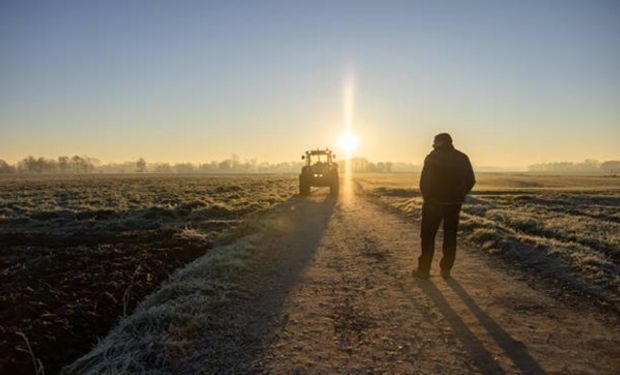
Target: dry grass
column 70, row 204
column 169, row 324
column 78, row 252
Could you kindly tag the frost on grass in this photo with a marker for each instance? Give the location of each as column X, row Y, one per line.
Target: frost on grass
column 169, row 324
column 55, row 205
column 568, row 227
column 77, row 252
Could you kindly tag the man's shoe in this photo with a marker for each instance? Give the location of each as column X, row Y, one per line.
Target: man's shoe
column 445, row 274
column 421, row 275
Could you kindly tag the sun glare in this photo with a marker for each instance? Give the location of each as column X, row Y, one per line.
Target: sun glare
column 348, row 143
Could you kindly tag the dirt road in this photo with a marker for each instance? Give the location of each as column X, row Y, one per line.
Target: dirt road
column 331, row 291
column 356, row 308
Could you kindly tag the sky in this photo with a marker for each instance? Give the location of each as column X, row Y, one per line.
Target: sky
column 514, row 82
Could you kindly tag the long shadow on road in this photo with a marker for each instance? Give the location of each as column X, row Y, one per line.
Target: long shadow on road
column 481, row 356
column 291, row 239
column 515, row 350
column 484, row 359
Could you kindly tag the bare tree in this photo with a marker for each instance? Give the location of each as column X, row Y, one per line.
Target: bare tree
column 141, row 165
column 81, row 164
column 6, row 168
column 77, row 164
column 27, row 165
column 63, row 164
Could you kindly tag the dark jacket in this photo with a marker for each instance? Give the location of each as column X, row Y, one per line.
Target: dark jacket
column 447, row 176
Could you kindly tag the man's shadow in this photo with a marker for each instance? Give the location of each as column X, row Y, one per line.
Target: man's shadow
column 515, row 350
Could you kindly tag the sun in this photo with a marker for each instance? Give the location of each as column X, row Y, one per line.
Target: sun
column 348, row 143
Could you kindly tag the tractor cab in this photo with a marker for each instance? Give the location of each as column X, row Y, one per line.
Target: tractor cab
column 320, row 169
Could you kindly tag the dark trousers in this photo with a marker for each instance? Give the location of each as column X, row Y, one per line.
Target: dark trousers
column 432, row 215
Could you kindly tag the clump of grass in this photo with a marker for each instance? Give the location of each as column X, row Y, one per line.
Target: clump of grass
column 169, row 323
column 193, row 235
column 491, row 239
column 411, row 207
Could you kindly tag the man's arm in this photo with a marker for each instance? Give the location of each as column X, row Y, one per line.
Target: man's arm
column 424, row 178
column 470, row 179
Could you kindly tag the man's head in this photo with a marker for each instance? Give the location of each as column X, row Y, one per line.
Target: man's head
column 442, row 140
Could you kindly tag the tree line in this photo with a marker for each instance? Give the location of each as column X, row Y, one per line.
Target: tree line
column 363, row 165
column 84, row 164
column 62, row 164
column 587, row 166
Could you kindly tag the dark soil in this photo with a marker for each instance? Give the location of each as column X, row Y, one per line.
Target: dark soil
column 62, row 311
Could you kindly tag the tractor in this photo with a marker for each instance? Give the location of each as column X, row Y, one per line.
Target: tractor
column 320, row 170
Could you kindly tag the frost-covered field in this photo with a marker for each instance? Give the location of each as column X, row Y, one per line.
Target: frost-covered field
column 566, row 227
column 78, row 252
column 65, row 205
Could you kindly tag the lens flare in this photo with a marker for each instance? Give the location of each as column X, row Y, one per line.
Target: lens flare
column 348, row 143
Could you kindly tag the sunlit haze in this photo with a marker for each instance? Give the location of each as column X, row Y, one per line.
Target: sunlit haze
column 348, row 141
column 515, row 83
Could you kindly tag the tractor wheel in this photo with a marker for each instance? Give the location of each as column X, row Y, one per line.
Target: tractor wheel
column 335, row 187
column 304, row 187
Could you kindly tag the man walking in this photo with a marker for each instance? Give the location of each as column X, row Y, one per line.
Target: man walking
column 446, row 179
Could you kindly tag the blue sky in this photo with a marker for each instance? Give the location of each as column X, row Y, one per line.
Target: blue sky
column 514, row 82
